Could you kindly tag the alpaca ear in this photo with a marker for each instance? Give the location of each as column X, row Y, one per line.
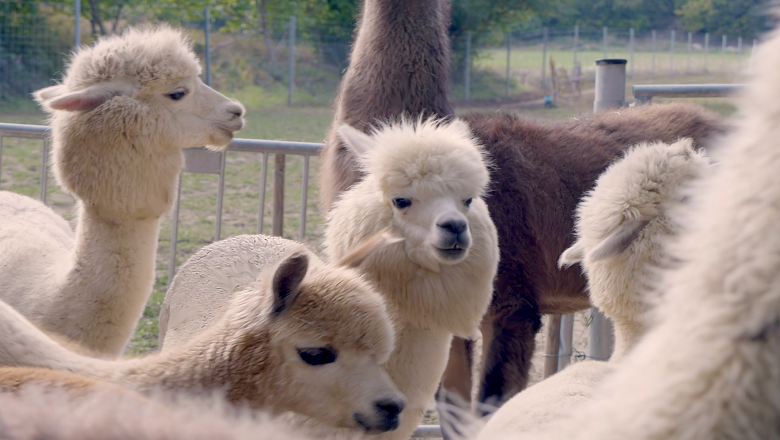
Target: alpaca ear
column 57, row 97
column 359, row 253
column 357, row 141
column 287, row 281
column 574, row 254
column 618, row 241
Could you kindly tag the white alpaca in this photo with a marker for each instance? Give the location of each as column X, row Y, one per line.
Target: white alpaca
column 621, row 227
column 710, row 366
column 305, row 337
column 125, row 110
column 425, row 180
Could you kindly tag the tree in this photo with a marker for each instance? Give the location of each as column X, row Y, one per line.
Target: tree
column 746, row 18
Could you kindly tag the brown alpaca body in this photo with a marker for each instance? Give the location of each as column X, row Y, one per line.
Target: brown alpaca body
column 399, row 64
column 541, row 171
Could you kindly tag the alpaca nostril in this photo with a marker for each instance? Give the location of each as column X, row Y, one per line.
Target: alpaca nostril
column 453, row 225
column 236, row 111
column 389, row 407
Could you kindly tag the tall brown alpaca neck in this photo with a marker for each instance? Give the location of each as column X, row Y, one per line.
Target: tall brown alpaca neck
column 399, row 65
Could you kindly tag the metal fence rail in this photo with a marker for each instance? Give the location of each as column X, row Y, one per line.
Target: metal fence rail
column 643, row 94
column 201, row 160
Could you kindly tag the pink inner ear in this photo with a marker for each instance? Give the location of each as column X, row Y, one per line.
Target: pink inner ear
column 80, row 101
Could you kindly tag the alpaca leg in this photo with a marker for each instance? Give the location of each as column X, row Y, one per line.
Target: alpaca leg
column 507, row 356
column 454, row 393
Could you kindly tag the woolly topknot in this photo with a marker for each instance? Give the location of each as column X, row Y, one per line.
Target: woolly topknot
column 429, row 155
column 145, row 55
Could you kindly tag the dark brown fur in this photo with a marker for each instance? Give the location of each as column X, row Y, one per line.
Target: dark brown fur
column 541, row 171
column 400, row 63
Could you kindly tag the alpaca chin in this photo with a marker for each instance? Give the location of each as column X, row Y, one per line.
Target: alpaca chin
column 423, row 255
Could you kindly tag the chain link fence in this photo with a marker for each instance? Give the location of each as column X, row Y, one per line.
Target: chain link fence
column 259, row 61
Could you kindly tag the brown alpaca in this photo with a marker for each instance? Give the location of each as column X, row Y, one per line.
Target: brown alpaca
column 399, row 63
column 541, row 171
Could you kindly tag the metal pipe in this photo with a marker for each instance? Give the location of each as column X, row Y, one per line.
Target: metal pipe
column 44, row 170
column 174, row 236
column 567, row 333
column 544, row 55
column 77, row 24
column 690, row 45
column 508, row 64
column 427, row 431
column 263, row 180
column 601, row 338
column 207, row 47
column 631, row 51
column 291, row 82
column 304, row 195
column 671, row 54
column 277, row 221
column 604, row 36
column 706, row 49
column 576, row 42
column 739, row 54
column 723, row 56
column 653, row 70
column 1, row 159
column 610, row 84
column 220, row 195
column 643, row 94
column 467, row 67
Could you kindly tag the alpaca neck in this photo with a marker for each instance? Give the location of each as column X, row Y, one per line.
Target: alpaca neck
column 209, row 363
column 627, row 333
column 105, row 291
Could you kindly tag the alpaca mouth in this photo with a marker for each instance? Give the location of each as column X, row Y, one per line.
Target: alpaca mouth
column 453, row 253
column 230, row 129
column 389, row 424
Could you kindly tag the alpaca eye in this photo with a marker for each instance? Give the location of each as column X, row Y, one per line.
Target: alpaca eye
column 467, row 202
column 317, row 355
column 177, row 95
column 402, row 203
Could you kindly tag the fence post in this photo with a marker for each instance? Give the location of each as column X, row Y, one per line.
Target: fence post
column 77, row 13
column 467, row 72
column 544, row 55
column 723, row 56
column 291, row 81
column 752, row 52
column 653, row 71
column 207, row 47
column 508, row 51
column 631, row 51
column 690, row 45
column 739, row 54
column 567, row 329
column 604, row 44
column 610, row 84
column 278, row 212
column 601, row 338
column 706, row 50
column 552, row 345
column 576, row 42
column 671, row 54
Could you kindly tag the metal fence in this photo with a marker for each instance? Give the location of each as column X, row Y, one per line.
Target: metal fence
column 294, row 61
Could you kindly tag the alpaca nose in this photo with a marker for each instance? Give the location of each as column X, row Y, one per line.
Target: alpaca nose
column 237, row 110
column 389, row 408
column 453, row 225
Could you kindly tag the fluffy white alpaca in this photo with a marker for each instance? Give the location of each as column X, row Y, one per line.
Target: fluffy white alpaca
column 710, row 366
column 621, row 227
column 305, row 337
column 425, row 181
column 39, row 403
column 125, row 110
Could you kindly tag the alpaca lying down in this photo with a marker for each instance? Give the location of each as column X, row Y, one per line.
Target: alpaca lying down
column 46, row 407
column 621, row 227
column 305, row 337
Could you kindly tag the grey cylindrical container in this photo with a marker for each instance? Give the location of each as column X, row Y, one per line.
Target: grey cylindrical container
column 610, row 84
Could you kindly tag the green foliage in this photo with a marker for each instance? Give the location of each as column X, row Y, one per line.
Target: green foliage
column 746, row 18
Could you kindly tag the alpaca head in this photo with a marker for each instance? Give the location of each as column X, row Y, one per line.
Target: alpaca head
column 622, row 224
column 429, row 173
column 126, row 108
column 327, row 333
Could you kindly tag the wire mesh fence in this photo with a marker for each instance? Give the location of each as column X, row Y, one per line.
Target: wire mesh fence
column 259, row 61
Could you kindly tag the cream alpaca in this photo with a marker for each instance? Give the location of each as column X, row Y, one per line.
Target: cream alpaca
column 710, row 366
column 125, row 110
column 305, row 337
column 424, row 180
column 621, row 227
column 47, row 408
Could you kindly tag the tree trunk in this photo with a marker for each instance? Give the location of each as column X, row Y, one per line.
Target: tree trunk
column 261, row 15
column 118, row 14
column 96, row 21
